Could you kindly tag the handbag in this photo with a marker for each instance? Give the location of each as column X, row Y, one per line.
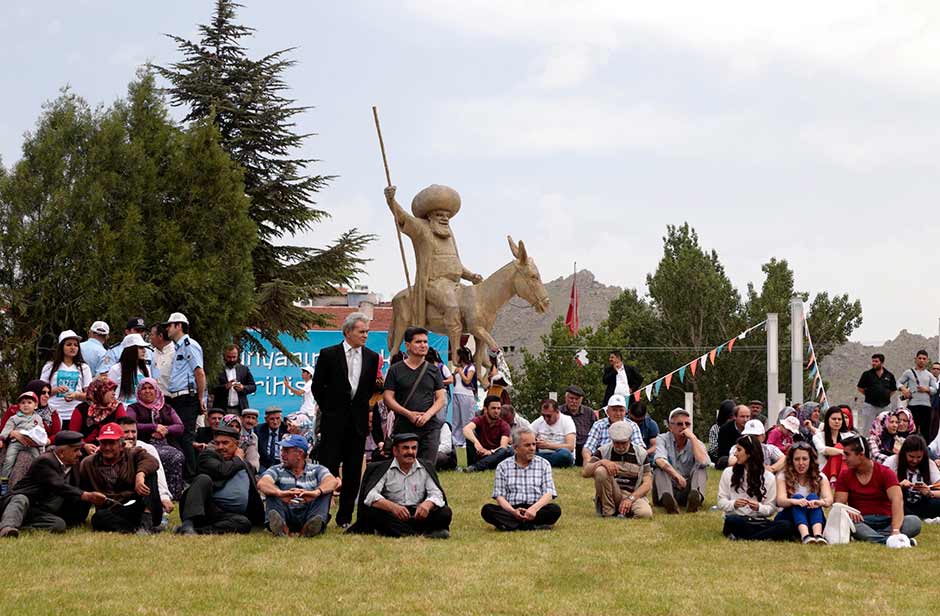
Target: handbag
column 839, row 526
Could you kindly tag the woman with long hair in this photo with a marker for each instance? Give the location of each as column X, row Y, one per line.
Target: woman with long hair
column 919, row 478
column 67, row 374
column 723, row 416
column 828, row 443
column 747, row 493
column 883, row 437
column 159, row 425
column 100, row 408
column 802, row 492
column 131, row 368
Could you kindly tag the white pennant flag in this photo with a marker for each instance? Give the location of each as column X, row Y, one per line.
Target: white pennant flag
column 702, row 360
column 581, row 357
column 743, row 334
column 649, row 391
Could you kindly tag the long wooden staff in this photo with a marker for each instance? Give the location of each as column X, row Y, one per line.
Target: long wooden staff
column 388, row 178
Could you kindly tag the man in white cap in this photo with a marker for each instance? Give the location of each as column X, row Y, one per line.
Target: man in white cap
column 622, row 476
column 599, row 435
column 93, row 349
column 187, row 384
column 774, row 460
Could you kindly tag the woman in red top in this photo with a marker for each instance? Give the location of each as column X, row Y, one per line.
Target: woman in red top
column 101, row 407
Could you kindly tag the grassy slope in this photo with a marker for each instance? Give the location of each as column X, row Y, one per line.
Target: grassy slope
column 676, row 564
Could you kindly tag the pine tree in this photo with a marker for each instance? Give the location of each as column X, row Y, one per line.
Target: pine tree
column 245, row 98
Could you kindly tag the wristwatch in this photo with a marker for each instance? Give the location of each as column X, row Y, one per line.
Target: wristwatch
column 632, row 497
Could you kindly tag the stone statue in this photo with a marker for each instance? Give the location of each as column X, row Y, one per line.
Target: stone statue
column 437, row 300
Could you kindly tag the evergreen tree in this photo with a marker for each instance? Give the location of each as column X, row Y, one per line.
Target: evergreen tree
column 245, row 98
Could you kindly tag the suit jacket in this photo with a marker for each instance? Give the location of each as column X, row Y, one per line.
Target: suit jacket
column 243, row 376
column 374, row 472
column 264, row 438
column 220, row 470
column 331, row 390
column 45, row 482
column 138, row 461
column 634, row 380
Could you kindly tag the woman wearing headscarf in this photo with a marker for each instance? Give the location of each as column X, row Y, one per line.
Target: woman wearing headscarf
column 50, row 419
column 883, row 436
column 100, row 407
column 159, row 425
column 808, row 414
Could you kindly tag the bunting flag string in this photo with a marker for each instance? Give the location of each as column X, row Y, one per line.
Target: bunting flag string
column 652, row 389
column 819, row 387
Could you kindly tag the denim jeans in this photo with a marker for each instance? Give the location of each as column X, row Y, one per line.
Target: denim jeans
column 877, row 528
column 558, row 458
column 803, row 515
column 295, row 516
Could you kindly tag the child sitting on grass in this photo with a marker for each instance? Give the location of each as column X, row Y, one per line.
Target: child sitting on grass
column 18, row 429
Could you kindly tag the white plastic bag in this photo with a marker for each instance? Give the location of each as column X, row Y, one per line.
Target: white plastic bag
column 839, row 526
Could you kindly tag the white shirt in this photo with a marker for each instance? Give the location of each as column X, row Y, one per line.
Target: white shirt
column 459, row 388
column 892, row 463
column 555, row 433
column 232, row 393
column 354, row 365
column 623, row 386
column 71, row 378
column 163, row 360
column 309, row 405
column 161, row 475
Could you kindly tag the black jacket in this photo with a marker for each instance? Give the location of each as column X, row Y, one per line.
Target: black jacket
column 634, row 380
column 243, row 376
column 219, row 470
column 45, row 482
column 331, row 390
column 264, row 437
column 728, row 435
column 374, row 472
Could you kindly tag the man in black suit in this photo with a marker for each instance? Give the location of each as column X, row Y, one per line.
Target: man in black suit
column 620, row 378
column 270, row 434
column 403, row 496
column 234, row 383
column 48, row 496
column 343, row 381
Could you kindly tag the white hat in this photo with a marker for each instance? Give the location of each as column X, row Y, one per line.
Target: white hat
column 619, row 431
column 617, row 400
column 178, row 317
column 134, row 340
column 791, row 423
column 308, row 370
column 68, row 334
column 100, row 327
column 753, row 427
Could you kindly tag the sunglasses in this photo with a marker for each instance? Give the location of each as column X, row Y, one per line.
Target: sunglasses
column 45, row 392
column 682, row 423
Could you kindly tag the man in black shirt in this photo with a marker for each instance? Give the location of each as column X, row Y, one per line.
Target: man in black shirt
column 729, row 433
column 414, row 391
column 877, row 384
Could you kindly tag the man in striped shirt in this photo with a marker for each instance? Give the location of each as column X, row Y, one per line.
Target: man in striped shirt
column 599, row 435
column 523, row 489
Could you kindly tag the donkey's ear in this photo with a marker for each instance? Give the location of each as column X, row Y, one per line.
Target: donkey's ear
column 513, row 247
column 523, row 255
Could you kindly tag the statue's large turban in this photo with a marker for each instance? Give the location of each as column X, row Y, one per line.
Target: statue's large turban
column 435, row 197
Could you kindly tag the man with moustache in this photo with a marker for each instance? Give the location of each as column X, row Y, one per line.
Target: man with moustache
column 233, row 384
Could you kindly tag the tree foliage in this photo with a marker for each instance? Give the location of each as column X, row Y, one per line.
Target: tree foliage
column 245, row 98
column 113, row 212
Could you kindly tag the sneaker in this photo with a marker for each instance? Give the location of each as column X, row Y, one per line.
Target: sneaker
column 276, row 524
column 809, row 539
column 913, row 542
column 668, row 501
column 186, row 528
column 438, row 534
column 821, row 540
column 9, row 531
column 694, row 502
column 542, row 527
column 313, row 526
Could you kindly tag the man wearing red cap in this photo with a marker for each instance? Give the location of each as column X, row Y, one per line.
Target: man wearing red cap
column 128, row 477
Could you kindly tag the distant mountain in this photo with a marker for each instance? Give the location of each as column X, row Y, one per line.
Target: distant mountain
column 846, row 363
column 519, row 327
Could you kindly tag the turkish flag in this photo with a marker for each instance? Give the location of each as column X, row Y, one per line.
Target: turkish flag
column 571, row 319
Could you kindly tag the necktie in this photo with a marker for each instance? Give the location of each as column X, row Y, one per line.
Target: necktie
column 352, row 361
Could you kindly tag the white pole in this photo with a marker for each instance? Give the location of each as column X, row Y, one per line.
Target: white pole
column 689, row 401
column 773, row 375
column 796, row 351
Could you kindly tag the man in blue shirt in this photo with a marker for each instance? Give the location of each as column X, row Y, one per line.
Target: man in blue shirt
column 93, row 351
column 297, row 492
column 187, row 384
column 648, row 427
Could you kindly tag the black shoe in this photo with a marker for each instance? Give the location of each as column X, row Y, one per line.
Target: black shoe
column 313, row 527
column 186, row 528
column 438, row 534
column 668, row 501
column 276, row 524
column 9, row 531
column 694, row 502
column 542, row 527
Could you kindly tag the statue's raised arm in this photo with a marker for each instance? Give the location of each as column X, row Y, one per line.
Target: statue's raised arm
column 405, row 221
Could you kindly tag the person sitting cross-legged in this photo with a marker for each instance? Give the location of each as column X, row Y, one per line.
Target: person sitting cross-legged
column 747, row 493
column 622, row 476
column 616, row 411
column 402, row 496
column 487, row 437
column 874, row 491
column 679, row 465
column 222, row 497
column 297, row 491
column 555, row 435
column 802, row 492
column 523, row 489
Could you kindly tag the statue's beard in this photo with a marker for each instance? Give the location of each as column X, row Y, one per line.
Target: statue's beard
column 440, row 229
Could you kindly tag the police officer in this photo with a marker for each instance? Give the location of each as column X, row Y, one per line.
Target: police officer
column 187, row 384
column 93, row 350
column 135, row 325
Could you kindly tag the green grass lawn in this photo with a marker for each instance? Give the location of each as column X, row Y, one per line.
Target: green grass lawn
column 675, row 564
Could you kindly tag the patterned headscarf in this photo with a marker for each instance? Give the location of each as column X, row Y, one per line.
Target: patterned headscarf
column 97, row 408
column 43, row 411
column 158, row 402
column 911, row 427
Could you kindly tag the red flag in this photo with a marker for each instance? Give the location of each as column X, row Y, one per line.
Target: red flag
column 731, row 343
column 571, row 319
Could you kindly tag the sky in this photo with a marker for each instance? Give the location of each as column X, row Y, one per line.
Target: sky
column 803, row 131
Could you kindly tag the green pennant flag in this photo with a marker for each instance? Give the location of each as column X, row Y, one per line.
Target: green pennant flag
column 659, row 384
column 682, row 374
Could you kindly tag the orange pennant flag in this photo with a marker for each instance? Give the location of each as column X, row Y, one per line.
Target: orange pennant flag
column 636, row 395
column 693, row 366
column 711, row 356
column 731, row 343
column 812, row 358
column 668, row 380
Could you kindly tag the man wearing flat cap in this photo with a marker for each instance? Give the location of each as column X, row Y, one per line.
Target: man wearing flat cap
column 583, row 417
column 438, row 268
column 48, row 496
column 222, row 497
column 403, row 496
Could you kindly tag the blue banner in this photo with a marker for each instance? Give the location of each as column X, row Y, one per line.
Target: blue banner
column 269, row 370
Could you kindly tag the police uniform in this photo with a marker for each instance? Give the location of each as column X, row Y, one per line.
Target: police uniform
column 113, row 354
column 93, row 354
column 183, row 396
